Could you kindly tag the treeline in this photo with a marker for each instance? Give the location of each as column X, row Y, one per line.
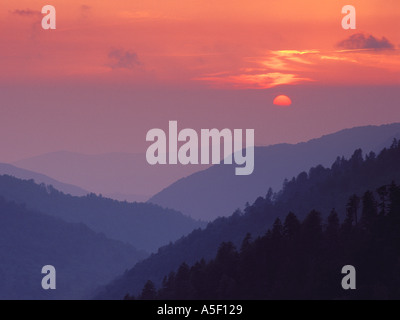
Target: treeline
column 320, row 189
column 326, row 188
column 302, row 260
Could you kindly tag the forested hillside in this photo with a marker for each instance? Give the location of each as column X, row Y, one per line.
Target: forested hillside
column 83, row 259
column 145, row 226
column 302, row 260
column 321, row 189
column 217, row 191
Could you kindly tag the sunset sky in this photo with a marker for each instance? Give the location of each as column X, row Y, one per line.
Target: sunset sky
column 115, row 69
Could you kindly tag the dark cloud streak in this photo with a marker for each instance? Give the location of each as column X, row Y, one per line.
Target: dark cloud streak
column 364, row 41
column 85, row 11
column 26, row 13
column 85, row 7
column 122, row 59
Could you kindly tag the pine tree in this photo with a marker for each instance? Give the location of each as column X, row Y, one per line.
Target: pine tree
column 383, row 193
column 369, row 210
column 291, row 226
column 246, row 244
column 333, row 226
column 277, row 229
column 149, row 291
column 312, row 231
column 352, row 209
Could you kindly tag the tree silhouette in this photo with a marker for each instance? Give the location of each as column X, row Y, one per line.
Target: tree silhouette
column 383, row 193
column 302, row 260
column 291, row 226
column 333, row 226
column 149, row 291
column 369, row 211
column 280, row 262
column 352, row 209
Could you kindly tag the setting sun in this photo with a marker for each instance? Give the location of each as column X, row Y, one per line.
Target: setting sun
column 283, row 101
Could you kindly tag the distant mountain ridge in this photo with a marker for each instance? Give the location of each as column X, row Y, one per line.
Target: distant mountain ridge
column 217, row 191
column 8, row 169
column 120, row 176
column 145, row 226
column 82, row 258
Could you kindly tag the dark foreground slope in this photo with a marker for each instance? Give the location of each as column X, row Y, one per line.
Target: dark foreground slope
column 303, row 260
column 30, row 240
column 145, row 226
column 321, row 189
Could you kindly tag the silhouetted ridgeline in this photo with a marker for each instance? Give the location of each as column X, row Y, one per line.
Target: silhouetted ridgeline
column 83, row 259
column 145, row 226
column 8, row 169
column 218, row 192
column 321, row 189
column 302, row 260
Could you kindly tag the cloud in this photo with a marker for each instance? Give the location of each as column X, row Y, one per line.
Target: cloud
column 85, row 7
column 26, row 13
column 255, row 81
column 291, row 67
column 122, row 59
column 85, row 11
column 364, row 41
column 288, row 59
column 32, row 20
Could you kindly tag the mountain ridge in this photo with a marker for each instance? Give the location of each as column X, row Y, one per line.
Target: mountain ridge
column 145, row 226
column 321, row 189
column 207, row 194
column 11, row 170
column 117, row 175
column 82, row 258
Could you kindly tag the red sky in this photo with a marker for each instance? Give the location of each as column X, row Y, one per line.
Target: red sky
column 114, row 69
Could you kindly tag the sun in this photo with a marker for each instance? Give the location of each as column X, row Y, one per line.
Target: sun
column 283, row 101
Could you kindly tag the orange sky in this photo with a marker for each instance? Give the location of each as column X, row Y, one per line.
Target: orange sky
column 115, row 69
column 229, row 44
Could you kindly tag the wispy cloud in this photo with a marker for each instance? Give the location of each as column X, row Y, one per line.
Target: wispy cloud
column 85, row 11
column 276, row 68
column 364, row 41
column 26, row 13
column 286, row 59
column 31, row 19
column 123, row 59
column 289, row 67
column 254, row 81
